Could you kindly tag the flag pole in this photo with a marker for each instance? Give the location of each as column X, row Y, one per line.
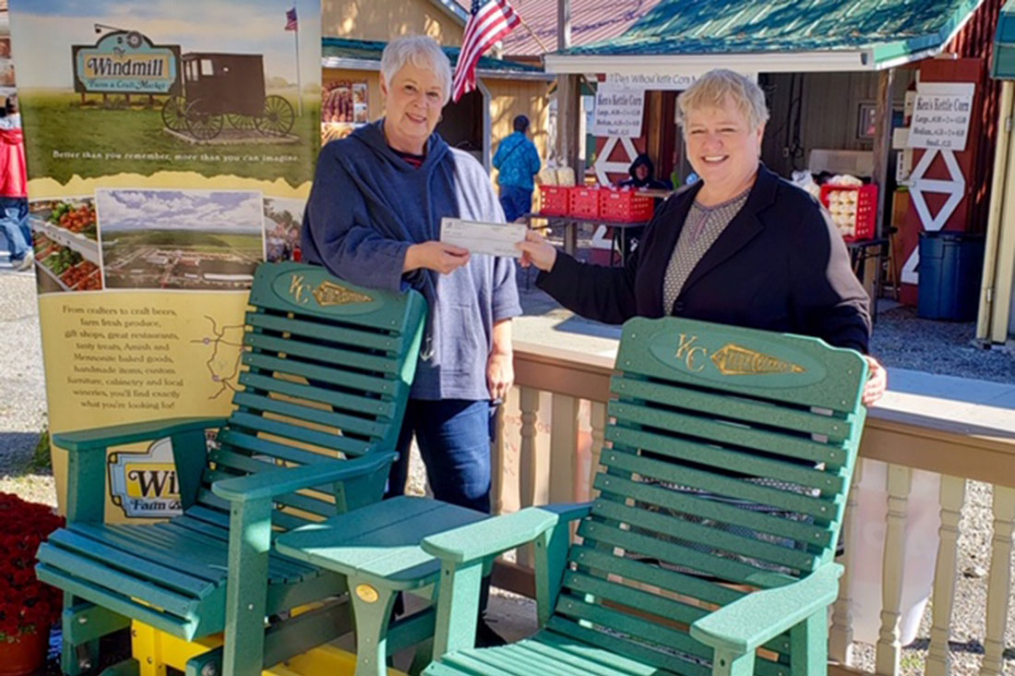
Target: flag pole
column 546, row 50
column 299, row 81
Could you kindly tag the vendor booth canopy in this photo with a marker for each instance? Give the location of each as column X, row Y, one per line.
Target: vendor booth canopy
column 772, row 37
column 1003, row 67
column 366, row 55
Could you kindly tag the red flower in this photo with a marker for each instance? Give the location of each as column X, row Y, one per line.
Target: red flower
column 25, row 603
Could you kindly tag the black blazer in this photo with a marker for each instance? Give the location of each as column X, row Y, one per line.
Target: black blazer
column 779, row 265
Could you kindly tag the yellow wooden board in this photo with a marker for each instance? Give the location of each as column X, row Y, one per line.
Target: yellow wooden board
column 155, row 650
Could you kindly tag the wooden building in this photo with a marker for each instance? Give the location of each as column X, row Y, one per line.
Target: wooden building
column 356, row 32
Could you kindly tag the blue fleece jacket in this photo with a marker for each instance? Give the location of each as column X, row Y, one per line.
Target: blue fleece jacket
column 368, row 205
column 517, row 160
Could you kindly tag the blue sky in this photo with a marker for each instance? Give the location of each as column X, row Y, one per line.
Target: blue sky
column 200, row 210
column 42, row 32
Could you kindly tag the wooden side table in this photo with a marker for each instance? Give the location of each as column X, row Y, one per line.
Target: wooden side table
column 377, row 549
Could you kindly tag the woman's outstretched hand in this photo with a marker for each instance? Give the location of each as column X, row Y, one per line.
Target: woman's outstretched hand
column 536, row 251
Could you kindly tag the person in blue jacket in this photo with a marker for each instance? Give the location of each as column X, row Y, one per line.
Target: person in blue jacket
column 374, row 218
column 517, row 160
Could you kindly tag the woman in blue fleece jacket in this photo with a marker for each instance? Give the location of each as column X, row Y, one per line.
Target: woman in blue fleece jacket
column 374, row 217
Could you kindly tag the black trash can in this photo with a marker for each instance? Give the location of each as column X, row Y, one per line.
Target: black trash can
column 951, row 264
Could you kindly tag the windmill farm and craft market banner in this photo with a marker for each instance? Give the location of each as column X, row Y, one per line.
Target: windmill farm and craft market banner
column 170, row 150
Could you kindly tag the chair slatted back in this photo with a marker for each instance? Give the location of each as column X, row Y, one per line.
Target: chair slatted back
column 328, row 369
column 730, row 456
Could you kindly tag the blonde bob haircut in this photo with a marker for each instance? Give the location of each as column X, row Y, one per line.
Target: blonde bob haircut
column 720, row 86
column 423, row 52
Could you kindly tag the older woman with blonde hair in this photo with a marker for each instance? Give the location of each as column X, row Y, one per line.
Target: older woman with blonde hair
column 741, row 246
column 374, row 218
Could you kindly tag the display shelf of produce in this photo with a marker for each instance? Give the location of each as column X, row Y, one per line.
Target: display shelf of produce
column 88, row 248
column 52, row 275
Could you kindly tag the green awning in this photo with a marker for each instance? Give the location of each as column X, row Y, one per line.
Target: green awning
column 879, row 33
column 335, row 51
column 1003, row 67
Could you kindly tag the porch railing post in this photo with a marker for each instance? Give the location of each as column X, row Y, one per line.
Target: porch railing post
column 900, row 480
column 840, row 634
column 527, row 465
column 563, row 448
column 953, row 494
column 999, row 586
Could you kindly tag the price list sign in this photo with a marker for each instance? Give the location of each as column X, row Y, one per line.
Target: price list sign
column 941, row 115
column 619, row 111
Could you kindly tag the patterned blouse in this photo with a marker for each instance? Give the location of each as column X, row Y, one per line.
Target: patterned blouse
column 701, row 229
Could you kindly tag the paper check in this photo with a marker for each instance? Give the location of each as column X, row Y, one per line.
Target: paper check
column 494, row 239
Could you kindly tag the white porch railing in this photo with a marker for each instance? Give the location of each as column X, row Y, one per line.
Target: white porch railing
column 552, row 431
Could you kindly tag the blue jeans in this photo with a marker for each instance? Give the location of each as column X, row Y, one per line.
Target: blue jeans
column 515, row 201
column 14, row 225
column 454, row 442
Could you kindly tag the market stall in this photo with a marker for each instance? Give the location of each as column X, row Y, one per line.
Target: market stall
column 838, row 77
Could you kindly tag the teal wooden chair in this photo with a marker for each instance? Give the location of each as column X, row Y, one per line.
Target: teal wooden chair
column 710, row 547
column 328, row 372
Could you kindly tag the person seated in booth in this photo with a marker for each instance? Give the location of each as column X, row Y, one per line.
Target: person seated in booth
column 741, row 246
column 643, row 175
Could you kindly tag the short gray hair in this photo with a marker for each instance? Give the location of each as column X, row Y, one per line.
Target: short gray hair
column 718, row 86
column 423, row 52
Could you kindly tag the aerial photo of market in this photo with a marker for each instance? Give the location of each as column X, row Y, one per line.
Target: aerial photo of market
column 192, row 250
column 174, row 266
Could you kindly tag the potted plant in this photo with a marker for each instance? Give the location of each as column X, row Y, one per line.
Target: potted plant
column 27, row 606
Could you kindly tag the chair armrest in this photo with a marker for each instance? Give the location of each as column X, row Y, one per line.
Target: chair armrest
column 101, row 438
column 86, row 466
column 497, row 535
column 747, row 623
column 273, row 483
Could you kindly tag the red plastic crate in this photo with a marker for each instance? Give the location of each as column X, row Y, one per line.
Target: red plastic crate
column 866, row 209
column 585, row 202
column 554, row 200
column 625, row 206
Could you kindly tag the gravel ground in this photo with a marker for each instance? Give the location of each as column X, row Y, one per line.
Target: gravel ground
column 23, row 400
column 900, row 340
column 903, row 340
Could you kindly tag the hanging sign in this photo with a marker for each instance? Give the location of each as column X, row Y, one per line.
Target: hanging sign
column 655, row 81
column 941, row 115
column 619, row 112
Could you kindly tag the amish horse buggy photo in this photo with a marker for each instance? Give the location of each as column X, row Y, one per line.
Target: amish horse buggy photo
column 225, row 88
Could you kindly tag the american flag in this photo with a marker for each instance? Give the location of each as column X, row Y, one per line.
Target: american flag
column 490, row 21
column 290, row 20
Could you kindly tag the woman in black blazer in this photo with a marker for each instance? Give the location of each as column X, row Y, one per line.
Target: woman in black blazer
column 741, row 247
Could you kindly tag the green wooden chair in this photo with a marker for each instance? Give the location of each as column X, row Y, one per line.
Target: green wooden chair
column 328, row 372
column 710, row 547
